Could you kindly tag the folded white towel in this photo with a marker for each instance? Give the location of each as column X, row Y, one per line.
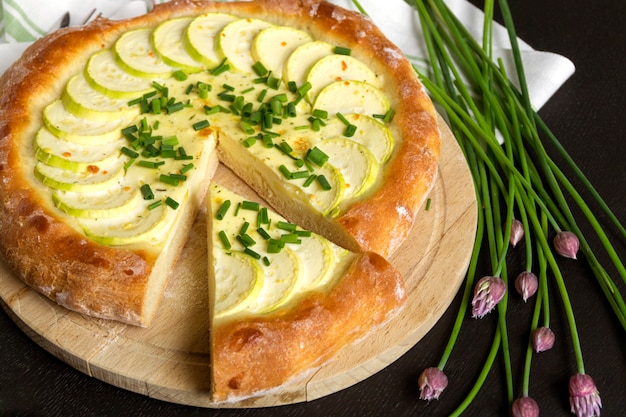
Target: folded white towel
column 23, row 21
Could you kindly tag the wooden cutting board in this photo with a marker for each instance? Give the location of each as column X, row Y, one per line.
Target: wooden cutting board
column 170, row 360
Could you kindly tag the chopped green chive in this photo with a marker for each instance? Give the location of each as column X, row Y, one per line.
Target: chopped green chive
column 304, row 88
column 221, row 212
column 340, row 50
column 186, row 168
column 259, row 69
column 211, row 110
column 203, row 90
column 248, row 142
column 263, row 233
column 169, row 179
column 250, row 205
column 226, row 96
column 317, row 156
column 180, row 75
column 251, row 253
column 273, row 82
column 224, row 239
column 135, row 101
column 322, row 114
column 286, row 226
column 267, row 141
column 291, row 110
column 170, row 141
column 275, row 246
column 343, row 119
column 389, row 116
column 150, row 164
column 156, row 204
column 309, row 181
column 245, row 240
column 247, row 128
column 174, row 107
column 285, row 171
column 290, row 238
column 129, row 152
column 350, row 131
column 130, row 130
column 285, row 147
column 129, row 163
column 221, row 68
column 146, row 192
column 263, row 217
column 323, row 182
column 200, row 125
column 299, row 174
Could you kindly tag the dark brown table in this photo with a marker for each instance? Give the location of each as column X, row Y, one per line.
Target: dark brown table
column 587, row 114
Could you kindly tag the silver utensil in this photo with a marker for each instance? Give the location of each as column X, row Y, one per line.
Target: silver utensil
column 63, row 22
column 93, row 15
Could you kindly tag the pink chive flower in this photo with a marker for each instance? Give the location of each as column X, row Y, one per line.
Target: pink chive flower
column 566, row 244
column 584, row 398
column 488, row 292
column 432, row 382
column 517, row 232
column 542, row 339
column 526, row 284
column 525, row 407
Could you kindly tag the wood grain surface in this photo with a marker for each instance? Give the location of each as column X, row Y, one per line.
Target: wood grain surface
column 170, row 360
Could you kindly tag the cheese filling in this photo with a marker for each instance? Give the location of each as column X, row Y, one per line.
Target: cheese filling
column 261, row 262
column 299, row 115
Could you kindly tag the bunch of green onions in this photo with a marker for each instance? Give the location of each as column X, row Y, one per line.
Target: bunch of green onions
column 518, row 187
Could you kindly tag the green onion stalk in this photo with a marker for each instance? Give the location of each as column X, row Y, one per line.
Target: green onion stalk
column 520, row 191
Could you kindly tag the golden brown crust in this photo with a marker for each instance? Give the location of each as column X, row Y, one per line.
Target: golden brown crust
column 260, row 354
column 46, row 253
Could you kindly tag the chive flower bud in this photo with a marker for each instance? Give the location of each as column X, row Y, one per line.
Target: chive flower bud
column 566, row 244
column 525, row 407
column 432, row 382
column 584, row 398
column 517, row 232
column 488, row 292
column 526, row 284
column 542, row 339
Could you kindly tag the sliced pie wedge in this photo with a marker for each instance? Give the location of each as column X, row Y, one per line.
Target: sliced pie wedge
column 270, row 329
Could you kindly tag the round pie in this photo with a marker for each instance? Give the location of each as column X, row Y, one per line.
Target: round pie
column 110, row 135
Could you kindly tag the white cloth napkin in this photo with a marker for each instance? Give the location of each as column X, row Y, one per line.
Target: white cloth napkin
column 24, row 21
column 545, row 71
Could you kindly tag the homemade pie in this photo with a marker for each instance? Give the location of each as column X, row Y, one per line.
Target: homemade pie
column 109, row 137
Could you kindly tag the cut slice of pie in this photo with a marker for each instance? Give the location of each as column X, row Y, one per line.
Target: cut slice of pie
column 284, row 300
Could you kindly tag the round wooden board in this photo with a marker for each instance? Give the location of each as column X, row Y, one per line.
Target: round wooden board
column 170, row 359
